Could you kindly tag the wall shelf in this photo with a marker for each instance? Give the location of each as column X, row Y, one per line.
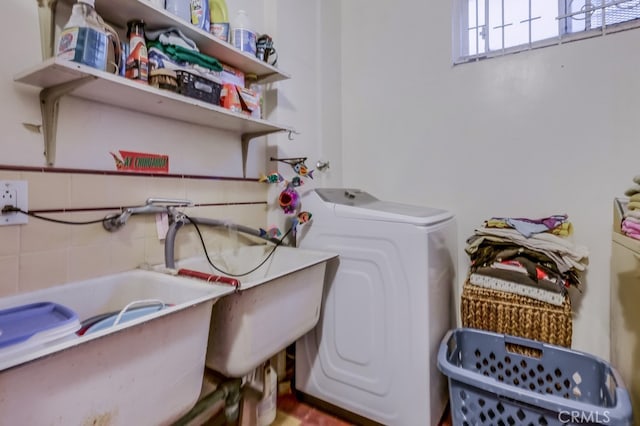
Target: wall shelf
column 119, row 12
column 59, row 77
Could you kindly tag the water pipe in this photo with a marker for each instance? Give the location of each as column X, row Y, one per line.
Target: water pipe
column 116, row 221
column 170, row 238
column 229, row 392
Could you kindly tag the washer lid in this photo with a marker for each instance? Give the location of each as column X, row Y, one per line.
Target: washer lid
column 358, row 204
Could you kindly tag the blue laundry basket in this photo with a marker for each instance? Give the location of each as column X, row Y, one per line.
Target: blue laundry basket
column 492, row 382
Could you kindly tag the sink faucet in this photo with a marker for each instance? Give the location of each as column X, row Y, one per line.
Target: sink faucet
column 115, row 221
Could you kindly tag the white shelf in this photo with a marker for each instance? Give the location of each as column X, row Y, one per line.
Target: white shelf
column 118, row 91
column 119, row 12
column 57, row 77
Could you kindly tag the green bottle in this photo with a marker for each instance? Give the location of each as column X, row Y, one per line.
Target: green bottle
column 219, row 19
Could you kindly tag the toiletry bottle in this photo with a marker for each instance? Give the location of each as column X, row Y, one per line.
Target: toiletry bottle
column 243, row 37
column 219, row 19
column 200, row 16
column 84, row 39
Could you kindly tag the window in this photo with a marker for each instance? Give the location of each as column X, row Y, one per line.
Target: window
column 485, row 28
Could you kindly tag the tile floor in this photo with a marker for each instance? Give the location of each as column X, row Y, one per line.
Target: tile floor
column 292, row 412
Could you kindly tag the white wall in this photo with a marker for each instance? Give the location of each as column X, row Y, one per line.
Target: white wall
column 531, row 134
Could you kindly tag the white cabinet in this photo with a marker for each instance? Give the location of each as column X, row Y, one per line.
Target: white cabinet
column 625, row 315
column 58, row 78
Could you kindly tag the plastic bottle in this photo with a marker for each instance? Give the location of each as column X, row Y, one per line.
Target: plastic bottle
column 84, row 38
column 243, row 37
column 180, row 8
column 200, row 16
column 138, row 60
column 266, row 408
column 219, row 19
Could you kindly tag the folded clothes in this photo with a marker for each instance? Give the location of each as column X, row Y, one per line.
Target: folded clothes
column 158, row 59
column 533, row 292
column 632, row 213
column 172, row 36
column 561, row 251
column 180, row 54
column 630, row 226
column 632, row 190
column 517, row 277
column 526, row 226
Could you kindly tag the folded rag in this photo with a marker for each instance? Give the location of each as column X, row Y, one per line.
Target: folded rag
column 172, row 36
column 180, row 54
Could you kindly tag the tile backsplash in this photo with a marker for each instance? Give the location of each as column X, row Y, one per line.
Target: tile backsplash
column 42, row 254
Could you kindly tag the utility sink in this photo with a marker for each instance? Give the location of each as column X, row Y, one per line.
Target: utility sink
column 271, row 308
column 146, row 369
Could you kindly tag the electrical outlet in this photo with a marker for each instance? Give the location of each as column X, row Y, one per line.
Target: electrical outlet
column 14, row 193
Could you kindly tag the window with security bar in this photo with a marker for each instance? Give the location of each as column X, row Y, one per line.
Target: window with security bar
column 486, row 28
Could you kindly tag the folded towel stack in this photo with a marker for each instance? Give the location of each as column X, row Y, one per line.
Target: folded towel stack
column 631, row 221
column 528, row 257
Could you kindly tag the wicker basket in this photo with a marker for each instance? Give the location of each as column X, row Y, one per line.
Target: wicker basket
column 521, row 316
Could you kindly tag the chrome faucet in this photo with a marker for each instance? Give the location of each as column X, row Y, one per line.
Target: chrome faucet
column 115, row 221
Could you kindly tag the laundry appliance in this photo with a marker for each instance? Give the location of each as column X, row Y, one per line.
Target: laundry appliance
column 386, row 306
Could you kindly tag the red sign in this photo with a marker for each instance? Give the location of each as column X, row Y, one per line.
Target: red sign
column 141, row 162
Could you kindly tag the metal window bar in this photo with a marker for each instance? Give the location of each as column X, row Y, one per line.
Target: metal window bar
column 596, row 14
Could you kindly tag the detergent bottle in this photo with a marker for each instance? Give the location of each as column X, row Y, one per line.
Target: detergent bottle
column 219, row 19
column 200, row 16
column 85, row 37
column 243, row 37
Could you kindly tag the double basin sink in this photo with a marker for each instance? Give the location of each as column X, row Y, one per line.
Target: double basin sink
column 148, row 369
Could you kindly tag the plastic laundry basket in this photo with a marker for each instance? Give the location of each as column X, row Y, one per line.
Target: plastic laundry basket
column 489, row 384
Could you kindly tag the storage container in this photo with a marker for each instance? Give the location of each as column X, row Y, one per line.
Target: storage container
column 491, row 383
column 516, row 315
column 197, row 87
column 145, row 370
column 26, row 328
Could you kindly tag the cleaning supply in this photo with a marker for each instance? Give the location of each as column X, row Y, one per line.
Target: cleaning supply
column 266, row 408
column 219, row 19
column 243, row 37
column 200, row 15
column 138, row 60
column 180, row 8
column 85, row 37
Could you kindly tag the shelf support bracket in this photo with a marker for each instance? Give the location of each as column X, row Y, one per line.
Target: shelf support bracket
column 49, row 99
column 248, row 137
column 47, row 14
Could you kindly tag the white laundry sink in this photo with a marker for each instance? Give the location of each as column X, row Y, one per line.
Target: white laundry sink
column 145, row 371
column 272, row 307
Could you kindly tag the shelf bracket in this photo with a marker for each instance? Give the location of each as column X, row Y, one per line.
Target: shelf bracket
column 49, row 99
column 248, row 137
column 47, row 14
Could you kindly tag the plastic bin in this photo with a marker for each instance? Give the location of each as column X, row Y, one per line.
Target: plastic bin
column 197, row 87
column 490, row 384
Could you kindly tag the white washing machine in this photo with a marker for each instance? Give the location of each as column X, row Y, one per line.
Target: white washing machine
column 387, row 305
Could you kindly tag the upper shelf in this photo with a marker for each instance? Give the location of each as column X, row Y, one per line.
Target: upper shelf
column 119, row 12
column 121, row 92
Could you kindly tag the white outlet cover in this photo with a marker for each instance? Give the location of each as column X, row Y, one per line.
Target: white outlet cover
column 15, row 193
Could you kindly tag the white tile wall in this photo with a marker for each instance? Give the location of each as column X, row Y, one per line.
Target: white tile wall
column 41, row 254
